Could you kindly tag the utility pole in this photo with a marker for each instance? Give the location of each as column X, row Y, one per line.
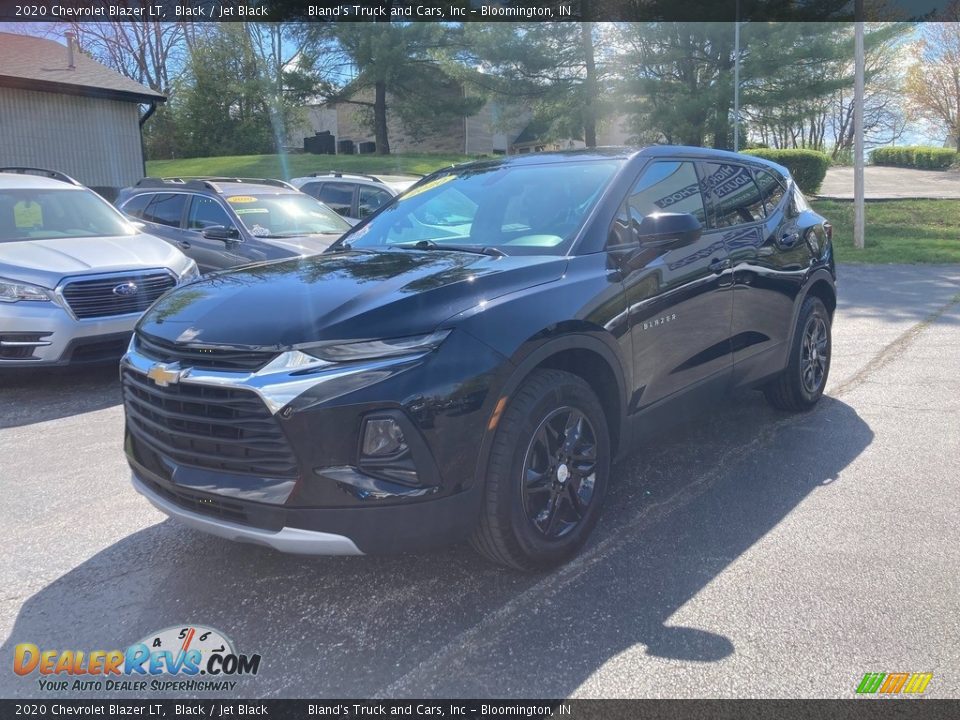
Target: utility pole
column 736, row 79
column 858, row 199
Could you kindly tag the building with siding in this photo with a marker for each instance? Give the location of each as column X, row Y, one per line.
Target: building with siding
column 62, row 110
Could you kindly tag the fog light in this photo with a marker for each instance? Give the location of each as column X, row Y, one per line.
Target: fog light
column 382, row 437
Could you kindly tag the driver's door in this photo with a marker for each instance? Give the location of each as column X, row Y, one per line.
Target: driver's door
column 210, row 253
column 680, row 299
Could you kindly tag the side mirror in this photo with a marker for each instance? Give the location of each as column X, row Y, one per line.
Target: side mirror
column 669, row 230
column 220, row 232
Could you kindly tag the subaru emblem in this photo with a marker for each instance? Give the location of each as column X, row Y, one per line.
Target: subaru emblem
column 126, row 289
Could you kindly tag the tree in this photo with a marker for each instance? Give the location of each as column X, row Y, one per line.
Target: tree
column 396, row 68
column 557, row 71
column 933, row 81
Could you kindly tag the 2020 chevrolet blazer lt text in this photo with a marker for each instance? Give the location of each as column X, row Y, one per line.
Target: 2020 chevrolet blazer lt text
column 467, row 362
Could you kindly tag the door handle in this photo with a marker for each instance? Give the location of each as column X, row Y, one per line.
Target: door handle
column 184, row 244
column 718, row 266
column 790, row 239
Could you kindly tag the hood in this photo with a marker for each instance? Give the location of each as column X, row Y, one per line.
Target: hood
column 342, row 296
column 47, row 262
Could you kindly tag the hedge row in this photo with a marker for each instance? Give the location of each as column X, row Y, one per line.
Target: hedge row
column 923, row 157
column 808, row 167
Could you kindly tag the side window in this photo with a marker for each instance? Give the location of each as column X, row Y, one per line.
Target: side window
column 312, row 189
column 338, row 196
column 736, row 197
column 135, row 206
column 165, row 209
column 666, row 186
column 204, row 212
column 771, row 190
column 371, row 200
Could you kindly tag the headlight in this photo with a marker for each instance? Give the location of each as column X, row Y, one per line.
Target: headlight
column 12, row 291
column 370, row 349
column 190, row 274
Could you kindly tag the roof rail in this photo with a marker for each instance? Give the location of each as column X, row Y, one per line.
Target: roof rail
column 175, row 181
column 252, row 181
column 41, row 172
column 340, row 173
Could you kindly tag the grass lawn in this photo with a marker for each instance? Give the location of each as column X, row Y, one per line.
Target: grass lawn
column 285, row 167
column 898, row 231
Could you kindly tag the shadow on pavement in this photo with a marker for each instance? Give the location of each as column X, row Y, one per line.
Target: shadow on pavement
column 447, row 623
column 32, row 395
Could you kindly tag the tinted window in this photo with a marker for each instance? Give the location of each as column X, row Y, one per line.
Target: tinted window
column 204, row 212
column 312, row 188
column 771, row 190
column 371, row 200
column 165, row 209
column 338, row 197
column 135, row 206
column 736, row 197
column 670, row 187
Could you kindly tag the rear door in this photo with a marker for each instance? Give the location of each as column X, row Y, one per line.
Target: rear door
column 680, row 299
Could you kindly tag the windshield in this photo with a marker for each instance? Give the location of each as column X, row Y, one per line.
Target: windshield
column 286, row 215
column 525, row 209
column 52, row 213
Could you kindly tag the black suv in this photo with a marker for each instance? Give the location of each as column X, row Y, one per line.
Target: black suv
column 226, row 222
column 467, row 362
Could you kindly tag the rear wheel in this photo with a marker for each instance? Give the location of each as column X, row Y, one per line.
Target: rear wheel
column 800, row 386
column 547, row 473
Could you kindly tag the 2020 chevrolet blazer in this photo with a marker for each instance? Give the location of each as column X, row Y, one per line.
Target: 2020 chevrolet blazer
column 466, row 363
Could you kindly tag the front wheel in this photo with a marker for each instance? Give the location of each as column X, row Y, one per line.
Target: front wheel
column 547, row 473
column 800, row 386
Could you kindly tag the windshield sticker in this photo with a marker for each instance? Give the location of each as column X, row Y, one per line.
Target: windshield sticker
column 241, row 199
column 248, row 211
column 428, row 186
column 259, row 230
column 27, row 214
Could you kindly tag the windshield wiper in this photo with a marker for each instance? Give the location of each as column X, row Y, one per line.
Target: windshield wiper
column 431, row 245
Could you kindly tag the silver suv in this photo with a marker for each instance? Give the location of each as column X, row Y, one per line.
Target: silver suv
column 354, row 195
column 75, row 275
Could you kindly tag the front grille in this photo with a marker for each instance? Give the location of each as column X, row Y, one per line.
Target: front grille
column 98, row 349
column 103, row 296
column 201, row 357
column 217, row 428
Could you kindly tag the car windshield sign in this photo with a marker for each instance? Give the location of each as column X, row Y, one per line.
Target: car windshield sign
column 286, row 215
column 526, row 209
column 48, row 214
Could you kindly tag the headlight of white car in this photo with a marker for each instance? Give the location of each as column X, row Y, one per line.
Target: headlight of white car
column 12, row 291
column 190, row 274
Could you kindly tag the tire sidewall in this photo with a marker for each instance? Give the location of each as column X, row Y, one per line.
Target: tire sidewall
column 812, row 307
column 539, row 549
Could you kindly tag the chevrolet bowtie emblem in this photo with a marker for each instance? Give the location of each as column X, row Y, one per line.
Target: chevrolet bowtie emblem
column 165, row 374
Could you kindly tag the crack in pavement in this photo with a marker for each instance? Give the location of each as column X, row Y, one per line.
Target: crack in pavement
column 550, row 585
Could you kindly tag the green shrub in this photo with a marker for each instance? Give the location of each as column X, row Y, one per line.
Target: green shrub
column 808, row 167
column 920, row 156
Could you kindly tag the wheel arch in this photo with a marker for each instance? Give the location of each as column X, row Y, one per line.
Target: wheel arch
column 583, row 355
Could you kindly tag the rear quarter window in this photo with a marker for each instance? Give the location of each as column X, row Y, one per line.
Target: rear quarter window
column 165, row 209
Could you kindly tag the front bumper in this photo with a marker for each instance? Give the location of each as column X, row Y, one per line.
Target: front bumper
column 290, row 540
column 442, row 400
column 58, row 338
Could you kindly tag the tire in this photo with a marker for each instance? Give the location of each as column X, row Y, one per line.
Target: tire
column 544, row 486
column 801, row 384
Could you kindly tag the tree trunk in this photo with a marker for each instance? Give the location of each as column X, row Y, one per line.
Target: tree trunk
column 721, row 119
column 380, row 118
column 590, row 87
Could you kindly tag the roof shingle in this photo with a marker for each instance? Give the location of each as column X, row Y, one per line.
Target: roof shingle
column 36, row 63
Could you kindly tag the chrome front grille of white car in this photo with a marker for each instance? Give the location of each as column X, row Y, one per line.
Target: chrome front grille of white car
column 115, row 294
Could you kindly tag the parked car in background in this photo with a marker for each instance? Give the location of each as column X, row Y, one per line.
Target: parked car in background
column 354, row 195
column 74, row 273
column 226, row 222
column 469, row 361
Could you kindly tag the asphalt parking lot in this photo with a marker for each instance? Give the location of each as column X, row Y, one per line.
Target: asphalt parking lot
column 754, row 553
